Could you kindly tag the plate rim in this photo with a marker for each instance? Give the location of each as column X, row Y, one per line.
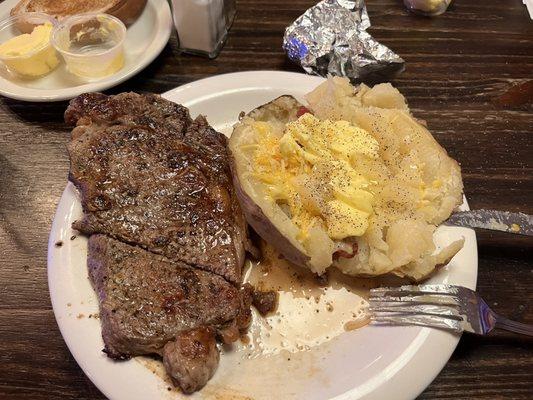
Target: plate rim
column 164, row 30
column 403, row 377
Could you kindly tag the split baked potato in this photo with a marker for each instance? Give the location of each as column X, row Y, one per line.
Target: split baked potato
column 350, row 180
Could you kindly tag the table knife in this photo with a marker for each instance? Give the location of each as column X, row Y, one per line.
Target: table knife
column 518, row 223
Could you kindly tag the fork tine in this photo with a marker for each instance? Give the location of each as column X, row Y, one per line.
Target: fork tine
column 430, row 322
column 434, row 306
column 426, row 294
column 451, row 301
column 435, row 310
column 412, row 290
column 407, row 293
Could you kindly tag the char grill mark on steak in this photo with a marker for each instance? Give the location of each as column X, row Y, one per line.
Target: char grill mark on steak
column 151, row 176
column 146, row 299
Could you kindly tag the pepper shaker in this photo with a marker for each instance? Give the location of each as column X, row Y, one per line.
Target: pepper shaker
column 203, row 25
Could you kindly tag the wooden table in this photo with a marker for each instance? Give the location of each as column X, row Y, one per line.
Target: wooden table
column 458, row 67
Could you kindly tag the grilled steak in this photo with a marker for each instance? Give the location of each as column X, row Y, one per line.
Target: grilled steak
column 146, row 299
column 150, row 175
column 167, row 237
column 151, row 305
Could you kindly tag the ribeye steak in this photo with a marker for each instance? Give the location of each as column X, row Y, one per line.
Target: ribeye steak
column 152, row 176
column 167, row 241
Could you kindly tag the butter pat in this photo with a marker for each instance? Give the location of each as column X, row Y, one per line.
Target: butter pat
column 344, row 221
column 30, row 55
column 312, row 169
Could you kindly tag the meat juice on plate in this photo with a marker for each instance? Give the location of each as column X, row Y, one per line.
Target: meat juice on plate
column 310, row 311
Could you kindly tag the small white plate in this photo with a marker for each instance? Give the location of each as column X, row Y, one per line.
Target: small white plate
column 370, row 363
column 145, row 39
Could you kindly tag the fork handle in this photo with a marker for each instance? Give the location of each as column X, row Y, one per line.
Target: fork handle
column 513, row 326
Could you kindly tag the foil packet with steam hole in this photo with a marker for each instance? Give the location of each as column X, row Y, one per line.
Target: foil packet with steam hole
column 331, row 38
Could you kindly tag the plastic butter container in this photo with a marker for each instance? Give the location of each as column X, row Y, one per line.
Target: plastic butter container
column 92, row 45
column 25, row 45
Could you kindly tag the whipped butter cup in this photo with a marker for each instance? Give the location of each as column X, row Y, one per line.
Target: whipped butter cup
column 92, row 45
column 25, row 45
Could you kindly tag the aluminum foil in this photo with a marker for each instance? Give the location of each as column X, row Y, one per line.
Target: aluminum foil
column 331, row 38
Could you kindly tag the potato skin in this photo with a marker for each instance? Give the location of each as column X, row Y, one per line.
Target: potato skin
column 262, row 225
column 253, row 213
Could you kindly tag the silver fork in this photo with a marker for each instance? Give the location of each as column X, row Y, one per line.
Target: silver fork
column 448, row 307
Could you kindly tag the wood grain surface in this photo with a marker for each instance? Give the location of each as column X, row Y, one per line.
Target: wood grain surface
column 460, row 71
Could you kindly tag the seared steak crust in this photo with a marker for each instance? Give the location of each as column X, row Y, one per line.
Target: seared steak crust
column 152, row 176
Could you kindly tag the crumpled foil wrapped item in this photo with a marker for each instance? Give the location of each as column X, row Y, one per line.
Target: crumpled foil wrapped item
column 331, row 38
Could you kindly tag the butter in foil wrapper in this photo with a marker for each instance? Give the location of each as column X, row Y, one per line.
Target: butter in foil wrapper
column 331, row 38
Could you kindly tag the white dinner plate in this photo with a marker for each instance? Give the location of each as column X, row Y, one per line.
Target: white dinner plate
column 368, row 363
column 145, row 39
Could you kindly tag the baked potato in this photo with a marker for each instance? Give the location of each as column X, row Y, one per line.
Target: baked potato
column 350, row 180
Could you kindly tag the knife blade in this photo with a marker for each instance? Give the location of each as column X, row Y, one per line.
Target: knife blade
column 505, row 221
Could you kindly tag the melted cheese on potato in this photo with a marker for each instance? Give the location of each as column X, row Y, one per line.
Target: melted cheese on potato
column 311, row 170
